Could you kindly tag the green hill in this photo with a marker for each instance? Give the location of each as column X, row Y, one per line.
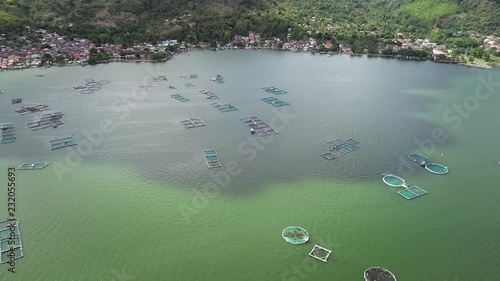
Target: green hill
column 141, row 20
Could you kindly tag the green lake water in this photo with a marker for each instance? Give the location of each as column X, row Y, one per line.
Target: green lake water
column 135, row 199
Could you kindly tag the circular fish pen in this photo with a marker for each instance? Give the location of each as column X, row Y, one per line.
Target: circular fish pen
column 94, row 88
column 89, row 80
column 378, row 274
column 86, row 92
column 104, row 82
column 419, row 159
column 394, row 181
column 295, row 235
column 436, row 168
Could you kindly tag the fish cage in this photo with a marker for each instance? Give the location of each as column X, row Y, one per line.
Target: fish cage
column 34, row 166
column 295, row 235
column 10, row 241
column 394, row 181
column 320, row 253
column 378, row 274
column 259, row 127
column 436, row 168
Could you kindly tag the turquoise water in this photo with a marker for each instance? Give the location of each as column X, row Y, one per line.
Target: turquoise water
column 135, row 198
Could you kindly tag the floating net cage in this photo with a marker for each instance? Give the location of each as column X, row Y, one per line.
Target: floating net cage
column 7, row 133
column 436, row 168
column 91, row 86
column 179, row 98
column 394, row 181
column 274, row 101
column 6, row 246
column 329, row 156
column 274, row 90
column 320, row 253
column 259, row 127
column 224, row 107
column 419, row 159
column 46, row 120
column 29, row 109
column 58, row 143
column 34, row 166
column 16, row 100
column 192, row 123
column 412, row 192
column 212, row 158
column 379, row 274
column 340, row 146
column 295, row 235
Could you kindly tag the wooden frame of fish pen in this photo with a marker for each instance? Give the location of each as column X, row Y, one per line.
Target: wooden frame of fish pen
column 412, row 192
column 7, row 133
column 5, row 236
column 315, row 253
column 212, row 158
column 260, row 127
column 58, row 143
column 193, row 123
column 34, row 166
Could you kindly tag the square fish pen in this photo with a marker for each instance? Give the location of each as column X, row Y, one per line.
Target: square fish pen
column 46, row 120
column 274, row 90
column 34, row 166
column 224, row 107
column 212, row 158
column 343, row 146
column 329, row 156
column 259, row 126
column 274, row 101
column 8, row 133
column 16, row 100
column 219, row 79
column 5, row 237
column 320, row 253
column 412, row 192
column 190, row 76
column 179, row 97
column 193, row 123
column 58, row 143
column 24, row 110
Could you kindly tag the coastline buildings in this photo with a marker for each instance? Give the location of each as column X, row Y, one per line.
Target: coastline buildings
column 51, row 47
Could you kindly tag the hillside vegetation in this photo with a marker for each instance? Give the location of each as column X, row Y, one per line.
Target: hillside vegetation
column 149, row 20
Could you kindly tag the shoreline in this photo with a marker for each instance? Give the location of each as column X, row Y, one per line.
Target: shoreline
column 398, row 57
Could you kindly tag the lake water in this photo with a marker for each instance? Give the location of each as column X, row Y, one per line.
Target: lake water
column 136, row 201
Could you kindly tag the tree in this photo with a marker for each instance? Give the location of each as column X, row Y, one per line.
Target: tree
column 59, row 59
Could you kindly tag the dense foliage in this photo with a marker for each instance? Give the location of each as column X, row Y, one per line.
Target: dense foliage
column 359, row 23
